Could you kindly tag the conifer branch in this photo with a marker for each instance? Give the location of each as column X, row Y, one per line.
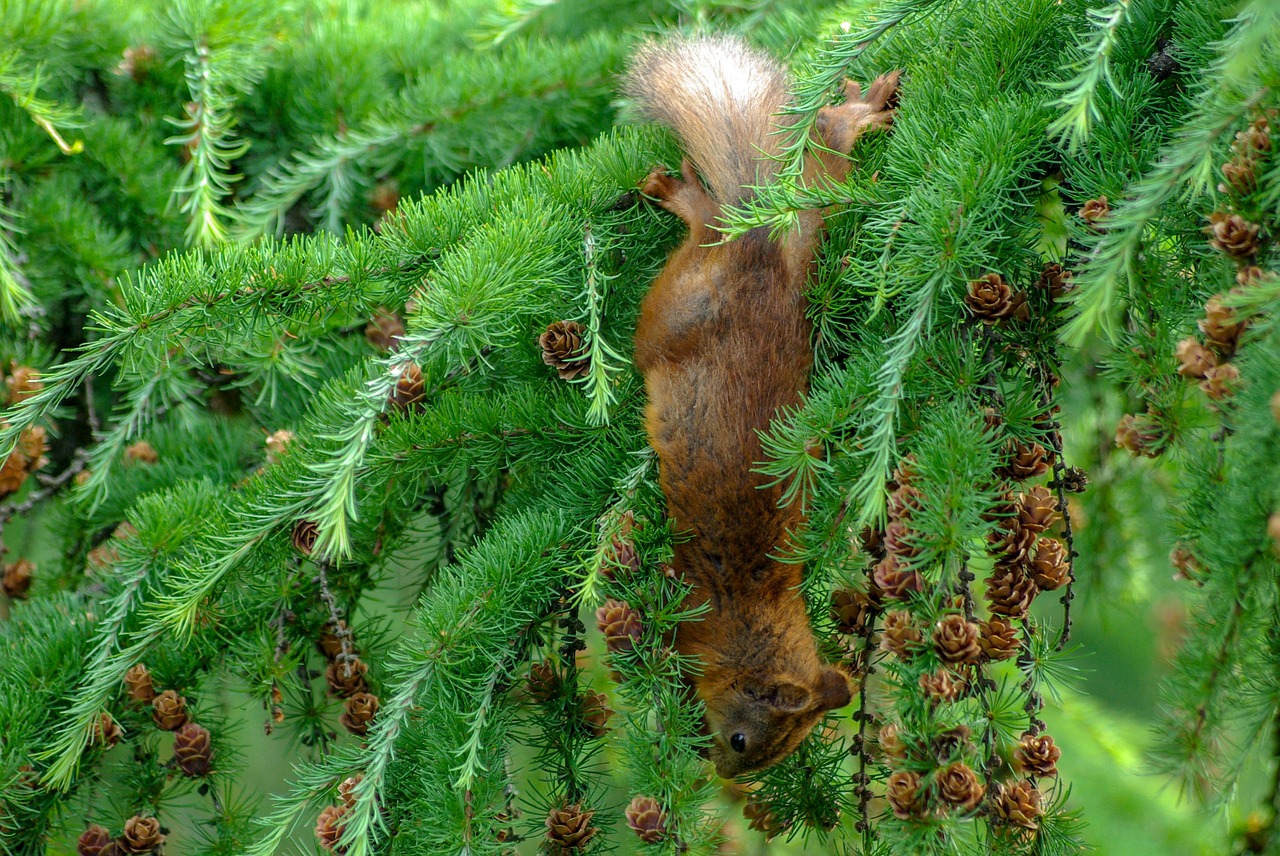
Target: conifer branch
column 1079, row 101
column 599, row 377
column 22, row 85
column 16, row 299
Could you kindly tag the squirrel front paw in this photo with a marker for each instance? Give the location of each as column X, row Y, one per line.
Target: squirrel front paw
column 684, row 196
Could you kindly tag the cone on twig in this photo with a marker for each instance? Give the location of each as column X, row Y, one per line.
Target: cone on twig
column 544, row 683
column 1035, row 755
column 329, row 827
column 1094, row 212
column 138, row 684
column 959, row 787
column 358, row 711
column 96, row 841
column 1220, row 381
column 761, row 817
column 569, row 828
column 1050, row 567
column 901, row 636
column 851, row 610
column 999, row 639
column 943, row 685
column 192, row 749
column 620, row 625
column 305, row 533
column 17, row 579
column 141, row 835
column 1232, row 235
column 896, row 580
column 1221, row 326
column 1010, row 591
column 989, row 298
column 1140, row 434
column 564, row 350
column 1017, row 804
column 169, row 711
column 647, row 819
column 889, row 739
column 956, row 640
column 596, row 713
column 346, row 677
column 905, row 798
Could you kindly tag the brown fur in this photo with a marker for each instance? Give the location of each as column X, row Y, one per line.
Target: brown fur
column 723, row 343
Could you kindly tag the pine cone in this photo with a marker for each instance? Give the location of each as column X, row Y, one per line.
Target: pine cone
column 943, row 685
column 569, row 828
column 1012, row 543
column 410, row 389
column 901, row 636
column 106, row 731
column 329, row 827
column 1094, row 212
column 1056, row 281
column 562, row 348
column 989, row 298
column 1140, row 434
column 544, row 684
column 347, row 677
column 622, row 557
column 1037, row 509
column 26, row 457
column 141, row 835
column 889, row 739
column 896, row 580
column 191, row 749
column 620, row 625
column 1010, row 591
column 1255, row 138
column 1017, row 804
column 1220, row 381
column 761, row 817
column 277, row 444
column 956, row 640
column 647, row 819
column 1194, row 359
column 949, row 745
column 330, row 641
column 169, row 711
column 900, row 541
column 17, row 579
column 1232, row 235
column 347, row 790
column 1050, row 568
column 903, row 793
column 1074, row 480
column 305, row 533
column 1221, row 328
column 384, row 329
column 905, row 500
column 1036, row 755
column 959, row 787
column 358, row 711
column 23, row 382
column 138, row 684
column 1019, row 309
column 1026, row 461
column 596, row 713
column 1241, row 176
column 872, row 542
column 1247, row 276
column 96, row 841
column 905, row 471
column 141, row 452
column 999, row 639
column 851, row 610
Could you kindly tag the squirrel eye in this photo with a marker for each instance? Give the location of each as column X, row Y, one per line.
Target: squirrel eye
column 738, row 742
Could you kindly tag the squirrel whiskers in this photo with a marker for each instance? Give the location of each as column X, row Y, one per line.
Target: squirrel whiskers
column 723, row 343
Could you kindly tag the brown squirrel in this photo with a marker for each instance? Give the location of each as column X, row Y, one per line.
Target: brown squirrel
column 723, row 344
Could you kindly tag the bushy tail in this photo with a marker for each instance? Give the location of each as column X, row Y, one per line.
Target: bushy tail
column 719, row 95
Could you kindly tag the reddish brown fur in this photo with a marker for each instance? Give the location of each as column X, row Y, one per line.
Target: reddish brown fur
column 723, row 343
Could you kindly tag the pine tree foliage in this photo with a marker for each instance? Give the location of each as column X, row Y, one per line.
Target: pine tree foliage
column 281, row 272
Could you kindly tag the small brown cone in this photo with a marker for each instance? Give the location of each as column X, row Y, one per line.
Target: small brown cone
column 959, row 787
column 647, row 819
column 956, row 640
column 22, row 383
column 851, row 610
column 943, row 685
column 989, row 298
column 347, row 790
column 1056, row 281
column 410, row 390
column 169, row 711
column 950, row 744
column 1220, row 381
column 278, row 443
column 1050, row 567
column 1035, row 755
column 761, row 817
column 569, row 828
column 329, row 827
column 1221, row 327
column 543, row 684
column 26, row 457
column 1194, row 359
column 901, row 636
column 562, row 348
column 905, row 501
column 192, row 750
column 1232, row 235
column 141, row 452
column 895, row 579
column 1038, row 509
column 106, row 732
column 1273, row 531
column 999, row 639
column 900, row 541
column 1010, row 592
column 1026, row 461
column 347, row 677
column 138, row 684
column 358, row 711
column 903, row 793
column 1241, row 176
column 96, row 841
column 141, row 835
column 17, row 579
column 384, row 329
column 889, row 739
column 1017, row 804
column 596, row 713
column 1140, row 434
column 1012, row 544
column 305, row 533
column 330, row 641
column 1094, row 212
column 620, row 625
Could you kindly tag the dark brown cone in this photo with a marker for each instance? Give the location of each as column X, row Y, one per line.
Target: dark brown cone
column 950, row 744
column 1255, row 138
column 1074, row 480
column 191, row 749
column 106, row 732
column 358, row 711
column 1037, row 509
column 330, row 641
column 410, row 388
column 959, row 787
column 1012, row 544
column 138, row 684
column 1220, row 326
column 347, row 677
column 761, row 817
column 1010, row 592
column 1194, row 359
column 169, row 711
column 562, row 348
column 329, row 827
column 141, row 835
column 1056, row 281
column 305, row 533
column 1036, row 755
column 1026, row 461
column 596, row 713
column 544, row 684
column 1050, row 568
column 347, row 790
column 872, row 542
column 1094, row 212
column 17, row 579
column 989, row 298
column 943, row 685
column 895, row 580
column 999, row 639
column 384, row 329
column 956, row 640
column 1019, row 310
column 569, row 828
column 851, row 610
column 1017, row 804
column 901, row 636
column 22, row 383
column 905, row 500
column 889, row 739
column 900, row 541
column 620, row 625
column 1140, row 434
column 141, row 452
column 1232, row 235
column 903, row 793
column 96, row 841
column 1220, row 381
column 647, row 819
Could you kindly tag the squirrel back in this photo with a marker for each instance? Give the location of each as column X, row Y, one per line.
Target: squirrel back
column 719, row 95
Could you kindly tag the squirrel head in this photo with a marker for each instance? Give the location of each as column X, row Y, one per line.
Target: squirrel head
column 759, row 720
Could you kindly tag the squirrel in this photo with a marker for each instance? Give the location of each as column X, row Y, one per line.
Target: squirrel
column 723, row 344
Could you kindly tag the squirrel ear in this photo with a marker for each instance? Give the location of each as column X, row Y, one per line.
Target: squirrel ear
column 833, row 690
column 790, row 697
